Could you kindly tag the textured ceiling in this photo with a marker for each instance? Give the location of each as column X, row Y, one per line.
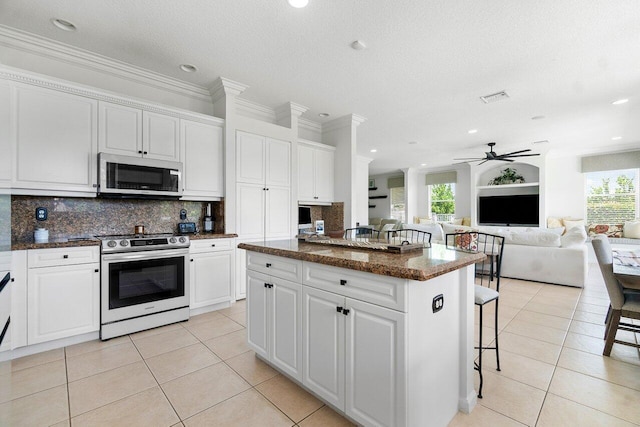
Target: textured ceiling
column 426, row 64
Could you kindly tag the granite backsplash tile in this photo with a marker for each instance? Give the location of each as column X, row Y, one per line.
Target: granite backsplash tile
column 83, row 217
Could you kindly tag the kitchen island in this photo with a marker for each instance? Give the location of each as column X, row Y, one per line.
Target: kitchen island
column 386, row 339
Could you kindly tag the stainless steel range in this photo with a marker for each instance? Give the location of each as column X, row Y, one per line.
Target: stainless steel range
column 144, row 282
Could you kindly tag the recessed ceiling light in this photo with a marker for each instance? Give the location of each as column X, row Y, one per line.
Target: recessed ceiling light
column 423, row 164
column 537, row 117
column 413, row 142
column 358, row 45
column 373, row 150
column 620, row 101
column 63, row 25
column 188, row 68
column 615, row 138
column 472, row 131
column 323, row 115
column 298, row 3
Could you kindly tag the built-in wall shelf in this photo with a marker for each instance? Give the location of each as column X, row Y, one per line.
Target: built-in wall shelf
column 373, row 188
column 378, row 197
column 372, row 206
column 522, row 185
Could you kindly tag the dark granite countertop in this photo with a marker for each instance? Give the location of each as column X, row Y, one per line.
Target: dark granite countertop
column 55, row 243
column 90, row 241
column 424, row 265
column 202, row 235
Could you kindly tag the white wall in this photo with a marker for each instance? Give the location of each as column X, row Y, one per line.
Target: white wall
column 565, row 187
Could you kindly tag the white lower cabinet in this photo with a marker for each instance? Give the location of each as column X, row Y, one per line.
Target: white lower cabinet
column 62, row 301
column 212, row 272
column 274, row 321
column 350, row 349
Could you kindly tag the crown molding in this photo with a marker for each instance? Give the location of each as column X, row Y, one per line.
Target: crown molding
column 44, row 47
column 19, row 76
column 226, row 87
column 309, row 125
column 350, row 120
column 287, row 111
column 252, row 109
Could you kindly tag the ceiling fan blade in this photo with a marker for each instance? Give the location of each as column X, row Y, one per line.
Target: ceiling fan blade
column 505, row 160
column 470, row 158
column 523, row 155
column 481, row 163
column 515, row 152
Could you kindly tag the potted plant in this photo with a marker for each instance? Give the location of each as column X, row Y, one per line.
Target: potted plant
column 508, row 176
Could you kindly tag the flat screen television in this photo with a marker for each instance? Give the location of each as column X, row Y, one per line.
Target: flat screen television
column 521, row 209
column 304, row 217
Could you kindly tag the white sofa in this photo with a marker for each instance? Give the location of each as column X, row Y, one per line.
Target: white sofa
column 530, row 254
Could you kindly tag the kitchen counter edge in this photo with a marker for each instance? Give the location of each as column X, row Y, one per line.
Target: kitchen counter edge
column 371, row 266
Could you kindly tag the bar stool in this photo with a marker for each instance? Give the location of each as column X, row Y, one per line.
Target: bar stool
column 492, row 246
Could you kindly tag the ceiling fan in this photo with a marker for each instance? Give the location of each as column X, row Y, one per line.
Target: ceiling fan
column 492, row 155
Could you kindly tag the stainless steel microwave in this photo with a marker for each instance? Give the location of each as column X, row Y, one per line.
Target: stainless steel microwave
column 127, row 176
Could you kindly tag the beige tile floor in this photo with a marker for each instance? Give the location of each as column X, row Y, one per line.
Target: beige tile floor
column 201, row 373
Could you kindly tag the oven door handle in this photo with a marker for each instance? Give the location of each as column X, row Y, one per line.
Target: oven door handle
column 144, row 255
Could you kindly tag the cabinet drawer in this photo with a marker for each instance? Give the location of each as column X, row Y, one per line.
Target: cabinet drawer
column 381, row 290
column 284, row 268
column 62, row 256
column 210, row 245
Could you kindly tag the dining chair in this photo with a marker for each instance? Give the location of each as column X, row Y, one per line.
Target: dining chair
column 623, row 302
column 361, row 233
column 492, row 246
column 409, row 235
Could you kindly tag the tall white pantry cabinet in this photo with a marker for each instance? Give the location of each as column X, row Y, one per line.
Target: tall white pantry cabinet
column 263, row 194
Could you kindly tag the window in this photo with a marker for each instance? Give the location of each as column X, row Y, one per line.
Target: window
column 612, row 196
column 397, row 203
column 442, row 201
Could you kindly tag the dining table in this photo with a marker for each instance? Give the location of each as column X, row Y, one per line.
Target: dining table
column 626, row 267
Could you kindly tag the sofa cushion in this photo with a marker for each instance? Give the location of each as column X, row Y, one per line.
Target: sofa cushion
column 533, row 238
column 575, row 236
column 607, row 230
column 632, row 229
column 435, row 229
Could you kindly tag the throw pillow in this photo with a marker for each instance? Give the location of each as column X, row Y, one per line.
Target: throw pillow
column 571, row 223
column 425, row 221
column 466, row 221
column 553, row 222
column 456, row 221
column 607, row 230
column 575, row 236
column 632, row 229
column 467, row 241
column 452, row 228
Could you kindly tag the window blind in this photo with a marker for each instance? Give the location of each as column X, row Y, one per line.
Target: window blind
column 397, row 196
column 609, row 162
column 450, row 177
column 395, row 182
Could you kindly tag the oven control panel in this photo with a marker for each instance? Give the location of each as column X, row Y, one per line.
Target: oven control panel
column 148, row 242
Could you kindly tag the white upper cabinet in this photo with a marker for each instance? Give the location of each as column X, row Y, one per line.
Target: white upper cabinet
column 54, row 140
column 5, row 135
column 202, row 153
column 315, row 173
column 134, row 132
column 160, row 136
column 278, row 163
column 119, row 129
column 250, row 167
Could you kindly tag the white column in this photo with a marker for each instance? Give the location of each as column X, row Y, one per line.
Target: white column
column 410, row 194
column 341, row 133
column 223, row 94
column 362, row 190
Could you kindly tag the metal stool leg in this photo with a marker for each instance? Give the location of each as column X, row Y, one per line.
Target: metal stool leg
column 479, row 364
column 496, row 332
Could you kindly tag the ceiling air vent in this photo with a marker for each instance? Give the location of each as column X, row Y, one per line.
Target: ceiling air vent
column 494, row 97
